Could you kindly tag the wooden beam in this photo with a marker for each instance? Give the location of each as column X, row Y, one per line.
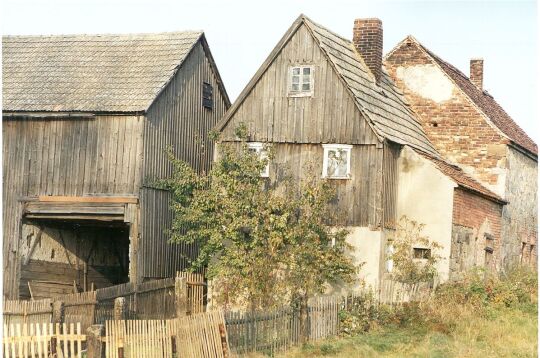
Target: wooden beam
column 89, row 199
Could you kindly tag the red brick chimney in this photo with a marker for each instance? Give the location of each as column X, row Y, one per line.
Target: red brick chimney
column 368, row 40
column 477, row 72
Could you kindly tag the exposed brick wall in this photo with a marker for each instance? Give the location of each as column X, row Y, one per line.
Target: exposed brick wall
column 456, row 128
column 368, row 40
column 474, row 217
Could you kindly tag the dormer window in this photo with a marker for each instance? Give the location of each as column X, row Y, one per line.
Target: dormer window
column 300, row 81
column 260, row 150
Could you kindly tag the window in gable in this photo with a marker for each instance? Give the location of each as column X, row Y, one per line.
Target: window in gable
column 260, row 150
column 337, row 161
column 301, row 81
column 207, row 95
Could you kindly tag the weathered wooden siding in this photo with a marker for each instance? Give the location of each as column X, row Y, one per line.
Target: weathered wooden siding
column 329, row 116
column 356, row 202
column 71, row 157
column 176, row 119
column 390, row 183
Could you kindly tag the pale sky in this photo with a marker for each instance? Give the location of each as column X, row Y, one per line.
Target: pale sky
column 241, row 34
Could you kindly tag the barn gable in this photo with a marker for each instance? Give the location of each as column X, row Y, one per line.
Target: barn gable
column 347, row 82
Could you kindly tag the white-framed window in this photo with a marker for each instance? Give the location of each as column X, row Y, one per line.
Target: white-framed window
column 259, row 148
column 389, row 263
column 300, row 81
column 337, row 161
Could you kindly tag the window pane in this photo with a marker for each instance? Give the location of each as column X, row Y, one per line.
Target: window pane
column 295, row 79
column 296, row 70
column 337, row 163
column 295, row 87
column 307, row 70
column 305, row 87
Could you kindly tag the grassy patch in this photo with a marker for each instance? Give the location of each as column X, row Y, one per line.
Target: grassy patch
column 510, row 333
column 482, row 316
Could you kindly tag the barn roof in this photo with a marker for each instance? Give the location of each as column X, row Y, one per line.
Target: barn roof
column 382, row 104
column 484, row 101
column 96, row 73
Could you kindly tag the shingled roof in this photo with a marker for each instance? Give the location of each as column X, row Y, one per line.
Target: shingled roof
column 96, row 73
column 485, row 102
column 462, row 179
column 381, row 103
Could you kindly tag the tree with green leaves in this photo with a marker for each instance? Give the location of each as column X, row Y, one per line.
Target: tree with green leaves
column 408, row 268
column 263, row 245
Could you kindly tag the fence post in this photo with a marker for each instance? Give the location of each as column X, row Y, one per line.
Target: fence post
column 120, row 308
column 180, row 295
column 58, row 312
column 93, row 341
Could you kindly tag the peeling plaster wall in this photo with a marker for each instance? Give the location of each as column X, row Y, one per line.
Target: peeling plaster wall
column 426, row 196
column 453, row 124
column 427, row 81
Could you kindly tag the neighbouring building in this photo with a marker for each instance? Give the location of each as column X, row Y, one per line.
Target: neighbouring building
column 328, row 108
column 469, row 128
column 86, row 122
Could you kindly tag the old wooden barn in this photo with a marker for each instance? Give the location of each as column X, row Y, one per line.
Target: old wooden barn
column 86, row 120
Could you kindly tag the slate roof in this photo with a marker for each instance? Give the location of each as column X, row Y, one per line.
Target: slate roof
column 382, row 104
column 486, row 103
column 462, row 179
column 93, row 73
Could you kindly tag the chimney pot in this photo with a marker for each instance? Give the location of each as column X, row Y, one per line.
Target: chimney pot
column 368, row 40
column 477, row 72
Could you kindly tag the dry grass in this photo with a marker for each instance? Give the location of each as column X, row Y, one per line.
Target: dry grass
column 475, row 318
column 509, row 333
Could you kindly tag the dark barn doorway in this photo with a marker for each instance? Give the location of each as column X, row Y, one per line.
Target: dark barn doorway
column 65, row 256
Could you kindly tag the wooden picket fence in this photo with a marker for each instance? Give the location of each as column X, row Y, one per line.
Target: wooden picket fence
column 196, row 287
column 42, row 340
column 278, row 330
column 21, row 312
column 202, row 335
column 80, row 308
column 323, row 319
column 199, row 335
column 393, row 292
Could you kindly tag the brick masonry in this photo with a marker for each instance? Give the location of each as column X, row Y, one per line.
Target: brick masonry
column 461, row 133
column 453, row 124
column 476, row 224
column 368, row 40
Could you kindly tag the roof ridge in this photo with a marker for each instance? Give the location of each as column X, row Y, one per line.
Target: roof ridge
column 41, row 36
column 510, row 129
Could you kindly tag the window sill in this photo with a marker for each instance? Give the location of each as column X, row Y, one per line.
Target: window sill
column 300, row 94
column 337, row 178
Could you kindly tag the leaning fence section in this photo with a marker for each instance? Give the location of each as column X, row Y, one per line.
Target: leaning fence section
column 200, row 335
column 35, row 340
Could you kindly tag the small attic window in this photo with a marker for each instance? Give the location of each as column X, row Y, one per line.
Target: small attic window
column 300, row 81
column 207, row 95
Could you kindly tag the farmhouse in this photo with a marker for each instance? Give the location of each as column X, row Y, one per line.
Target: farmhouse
column 323, row 100
column 469, row 128
column 86, row 122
